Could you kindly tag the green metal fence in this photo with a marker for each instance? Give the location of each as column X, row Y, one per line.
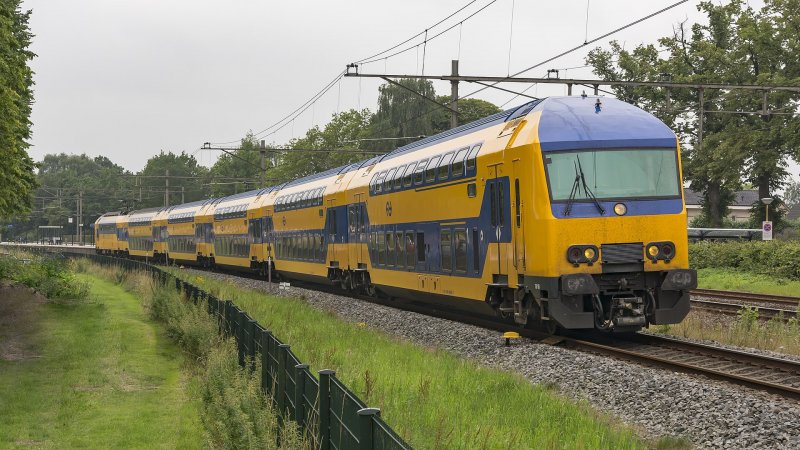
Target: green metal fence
column 330, row 414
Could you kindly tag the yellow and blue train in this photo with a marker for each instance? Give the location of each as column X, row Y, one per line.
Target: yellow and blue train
column 564, row 212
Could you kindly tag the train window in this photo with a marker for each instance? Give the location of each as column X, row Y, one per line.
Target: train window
column 381, row 248
column 460, row 242
column 391, row 255
column 387, row 183
column 399, row 245
column 517, row 201
column 430, row 173
column 372, row 183
column 408, row 175
column 379, row 182
column 472, row 157
column 419, row 173
column 421, row 247
column 445, row 248
column 398, row 178
column 472, row 190
column 458, row 163
column 501, row 203
column 373, row 253
column 410, row 250
column 444, row 166
column 493, row 204
column 321, row 247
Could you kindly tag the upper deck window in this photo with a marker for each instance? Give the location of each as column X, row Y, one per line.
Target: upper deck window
column 613, row 174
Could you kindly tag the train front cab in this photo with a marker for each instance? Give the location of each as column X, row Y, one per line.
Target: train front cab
column 607, row 242
column 105, row 238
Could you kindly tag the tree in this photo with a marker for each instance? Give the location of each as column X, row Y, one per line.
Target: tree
column 738, row 45
column 238, row 170
column 17, row 179
column 791, row 196
column 335, row 145
column 469, row 110
column 403, row 113
column 186, row 180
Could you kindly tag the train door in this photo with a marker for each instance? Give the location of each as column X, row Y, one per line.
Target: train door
column 356, row 225
column 518, row 225
column 498, row 207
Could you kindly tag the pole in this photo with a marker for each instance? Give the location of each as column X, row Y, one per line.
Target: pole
column 183, row 192
column 263, row 163
column 166, row 192
column 80, row 216
column 454, row 95
column 700, row 120
column 766, row 213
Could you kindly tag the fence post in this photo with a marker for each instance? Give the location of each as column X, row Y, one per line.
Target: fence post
column 365, row 427
column 325, row 408
column 265, row 384
column 280, row 390
column 299, row 386
column 227, row 319
column 253, row 339
column 240, row 341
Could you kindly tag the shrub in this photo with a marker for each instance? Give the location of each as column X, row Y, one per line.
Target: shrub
column 777, row 258
column 50, row 275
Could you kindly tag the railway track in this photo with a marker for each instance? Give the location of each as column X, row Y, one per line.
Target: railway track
column 791, row 302
column 731, row 303
column 765, row 373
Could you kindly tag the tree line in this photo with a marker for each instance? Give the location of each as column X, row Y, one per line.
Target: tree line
column 172, row 178
column 738, row 45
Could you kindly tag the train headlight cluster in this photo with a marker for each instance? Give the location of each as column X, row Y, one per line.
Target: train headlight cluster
column 578, row 254
column 664, row 251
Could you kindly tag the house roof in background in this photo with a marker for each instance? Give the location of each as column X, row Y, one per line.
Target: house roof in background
column 741, row 198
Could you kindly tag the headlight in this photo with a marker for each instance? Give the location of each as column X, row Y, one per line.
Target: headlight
column 620, row 209
column 577, row 254
column 664, row 251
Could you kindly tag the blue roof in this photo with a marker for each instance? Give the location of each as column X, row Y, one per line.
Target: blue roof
column 573, row 123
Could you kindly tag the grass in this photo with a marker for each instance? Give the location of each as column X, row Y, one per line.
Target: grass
column 432, row 398
column 102, row 376
column 234, row 411
column 744, row 331
column 738, row 280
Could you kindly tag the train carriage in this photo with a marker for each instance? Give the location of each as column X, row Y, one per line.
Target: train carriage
column 564, row 212
column 181, row 243
column 105, row 234
column 140, row 232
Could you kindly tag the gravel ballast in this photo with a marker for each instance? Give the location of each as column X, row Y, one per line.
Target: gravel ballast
column 659, row 402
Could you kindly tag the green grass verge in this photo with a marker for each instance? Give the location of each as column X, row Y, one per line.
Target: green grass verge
column 429, row 396
column 107, row 378
column 739, row 280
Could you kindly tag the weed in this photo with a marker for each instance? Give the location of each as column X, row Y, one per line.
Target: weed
column 748, row 317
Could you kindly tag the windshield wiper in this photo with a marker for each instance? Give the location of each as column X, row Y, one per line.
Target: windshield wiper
column 586, row 189
column 573, row 192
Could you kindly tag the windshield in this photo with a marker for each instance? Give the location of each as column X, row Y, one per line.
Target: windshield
column 613, row 174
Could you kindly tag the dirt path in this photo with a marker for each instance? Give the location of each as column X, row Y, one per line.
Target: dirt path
column 19, row 308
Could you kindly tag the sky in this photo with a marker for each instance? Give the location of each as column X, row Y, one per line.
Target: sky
column 129, row 78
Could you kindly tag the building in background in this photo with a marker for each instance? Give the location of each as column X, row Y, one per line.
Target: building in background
column 738, row 211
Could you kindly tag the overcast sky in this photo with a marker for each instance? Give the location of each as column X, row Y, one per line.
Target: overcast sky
column 128, row 78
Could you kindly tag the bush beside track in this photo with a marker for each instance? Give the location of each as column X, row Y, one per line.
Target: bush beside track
column 776, row 258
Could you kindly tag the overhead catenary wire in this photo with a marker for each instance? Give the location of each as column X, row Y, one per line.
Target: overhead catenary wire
column 434, row 36
column 603, row 36
column 573, row 49
column 416, row 35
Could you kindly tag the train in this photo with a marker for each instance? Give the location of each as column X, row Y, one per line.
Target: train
column 564, row 213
